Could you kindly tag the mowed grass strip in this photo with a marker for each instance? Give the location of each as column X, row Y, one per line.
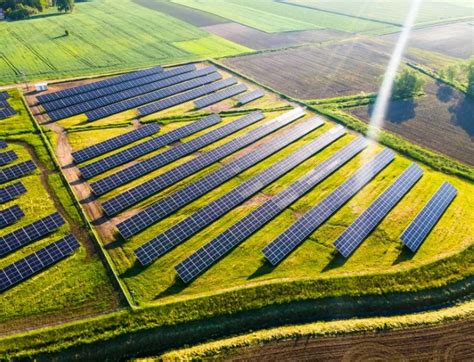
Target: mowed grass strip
column 135, row 37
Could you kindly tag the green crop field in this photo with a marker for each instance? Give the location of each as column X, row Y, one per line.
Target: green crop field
column 105, row 36
column 273, row 16
column 69, row 289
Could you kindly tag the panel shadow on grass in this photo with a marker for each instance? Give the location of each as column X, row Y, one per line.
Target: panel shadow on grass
column 337, row 261
column 264, row 269
column 175, row 288
column 405, row 255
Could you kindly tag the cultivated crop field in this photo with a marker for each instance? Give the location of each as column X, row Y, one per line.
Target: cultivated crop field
column 74, row 288
column 38, row 48
column 440, row 120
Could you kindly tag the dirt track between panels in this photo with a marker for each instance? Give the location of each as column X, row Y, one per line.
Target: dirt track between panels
column 450, row 342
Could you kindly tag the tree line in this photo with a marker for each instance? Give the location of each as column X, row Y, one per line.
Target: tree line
column 22, row 9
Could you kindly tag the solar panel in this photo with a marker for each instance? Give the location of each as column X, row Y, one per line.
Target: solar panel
column 353, row 236
column 155, row 162
column 181, row 231
column 7, row 112
column 185, row 97
column 3, row 144
column 4, row 95
column 237, row 233
column 30, row 233
column 140, row 90
column 182, row 197
column 146, row 147
column 424, row 222
column 10, row 215
column 251, row 96
column 4, row 103
column 158, row 183
column 16, row 171
column 289, row 240
column 114, row 143
column 114, row 89
column 33, row 263
column 7, row 157
column 220, row 96
column 150, row 97
column 96, row 85
column 11, row 192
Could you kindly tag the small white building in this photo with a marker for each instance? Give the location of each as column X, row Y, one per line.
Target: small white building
column 41, row 86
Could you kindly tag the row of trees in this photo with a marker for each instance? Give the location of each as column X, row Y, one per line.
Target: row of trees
column 462, row 73
column 22, row 9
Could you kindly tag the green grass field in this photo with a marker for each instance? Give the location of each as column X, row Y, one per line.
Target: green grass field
column 69, row 289
column 134, row 37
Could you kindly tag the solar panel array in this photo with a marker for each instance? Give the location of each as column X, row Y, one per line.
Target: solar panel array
column 211, row 212
column 146, row 147
column 114, row 89
column 185, row 97
column 33, row 263
column 226, row 241
column 150, row 97
column 10, row 215
column 96, row 85
column 3, row 144
column 29, row 233
column 16, row 171
column 129, row 93
column 7, row 112
column 220, row 96
column 156, row 184
column 251, row 96
column 289, row 240
column 114, row 143
column 11, row 192
column 153, row 163
column 182, row 197
column 4, row 103
column 353, row 236
column 4, row 95
column 421, row 226
column 7, row 157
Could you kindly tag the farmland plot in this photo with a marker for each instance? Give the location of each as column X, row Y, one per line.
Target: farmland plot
column 441, row 120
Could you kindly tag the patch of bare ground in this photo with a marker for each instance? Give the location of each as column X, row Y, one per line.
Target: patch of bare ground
column 450, row 342
column 442, row 120
column 256, row 39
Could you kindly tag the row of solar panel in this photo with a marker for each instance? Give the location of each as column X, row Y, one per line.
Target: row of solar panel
column 151, row 97
column 114, row 89
column 220, row 96
column 7, row 112
column 7, row 157
column 251, row 96
column 16, row 171
column 4, row 95
column 146, row 189
column 96, row 85
column 131, row 93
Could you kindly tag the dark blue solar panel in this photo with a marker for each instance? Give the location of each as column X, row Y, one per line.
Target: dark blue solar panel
column 132, row 153
column 156, row 184
column 115, row 89
column 164, row 85
column 33, row 263
column 181, row 231
column 148, row 165
column 151, row 97
column 284, row 244
column 180, row 198
column 185, row 97
column 16, row 171
column 220, row 96
column 237, row 233
column 251, row 96
column 353, row 236
column 3, row 144
column 7, row 157
column 11, row 192
column 30, row 233
column 421, row 226
column 10, row 215
column 7, row 112
column 96, row 85
column 115, row 142
column 4, row 95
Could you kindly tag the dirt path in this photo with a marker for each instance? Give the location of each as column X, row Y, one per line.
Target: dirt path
column 450, row 342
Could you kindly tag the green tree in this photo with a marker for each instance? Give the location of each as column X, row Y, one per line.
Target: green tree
column 407, row 84
column 470, row 78
column 65, row 5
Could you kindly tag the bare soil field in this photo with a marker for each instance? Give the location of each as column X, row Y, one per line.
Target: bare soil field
column 317, row 72
column 454, row 40
column 256, row 39
column 450, row 342
column 441, row 120
column 193, row 16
